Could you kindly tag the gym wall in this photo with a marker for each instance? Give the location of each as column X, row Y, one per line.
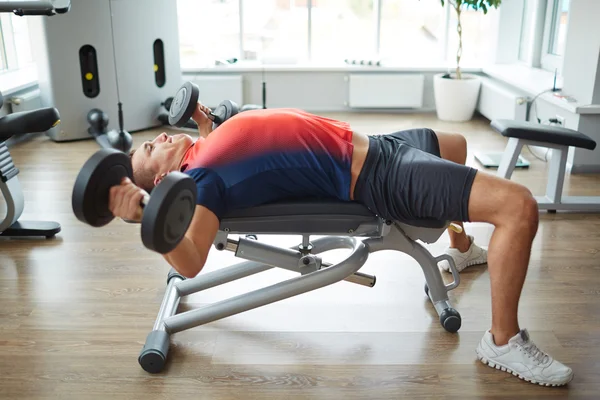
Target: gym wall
column 321, row 91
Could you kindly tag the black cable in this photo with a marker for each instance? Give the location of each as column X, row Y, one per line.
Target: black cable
column 545, row 159
column 112, row 33
column 533, row 103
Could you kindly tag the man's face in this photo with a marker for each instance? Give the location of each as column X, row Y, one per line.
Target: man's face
column 161, row 155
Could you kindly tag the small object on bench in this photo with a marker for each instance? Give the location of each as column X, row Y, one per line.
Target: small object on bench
column 346, row 225
column 558, row 139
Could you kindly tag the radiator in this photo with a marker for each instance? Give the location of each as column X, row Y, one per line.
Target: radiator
column 498, row 101
column 27, row 101
column 385, row 90
column 216, row 88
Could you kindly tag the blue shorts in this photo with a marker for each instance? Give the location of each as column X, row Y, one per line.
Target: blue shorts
column 405, row 179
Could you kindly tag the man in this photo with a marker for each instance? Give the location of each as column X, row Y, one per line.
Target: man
column 261, row 156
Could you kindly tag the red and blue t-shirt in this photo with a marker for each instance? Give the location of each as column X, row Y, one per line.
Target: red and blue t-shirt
column 263, row 156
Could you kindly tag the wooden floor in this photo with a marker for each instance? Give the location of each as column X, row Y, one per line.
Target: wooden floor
column 75, row 311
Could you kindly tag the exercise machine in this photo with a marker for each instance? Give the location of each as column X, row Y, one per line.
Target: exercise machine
column 556, row 138
column 20, row 123
column 34, row 7
column 346, row 225
column 11, row 125
column 106, row 64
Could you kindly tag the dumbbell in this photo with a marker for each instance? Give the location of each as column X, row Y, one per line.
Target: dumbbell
column 182, row 107
column 167, row 212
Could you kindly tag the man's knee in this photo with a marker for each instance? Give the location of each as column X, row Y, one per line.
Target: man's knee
column 521, row 209
column 503, row 203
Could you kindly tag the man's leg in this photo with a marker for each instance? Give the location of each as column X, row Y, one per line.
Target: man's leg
column 513, row 211
column 453, row 147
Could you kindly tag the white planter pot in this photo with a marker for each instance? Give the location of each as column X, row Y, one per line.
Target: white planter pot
column 456, row 99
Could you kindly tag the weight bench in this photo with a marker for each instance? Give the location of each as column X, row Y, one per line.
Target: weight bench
column 558, row 139
column 342, row 224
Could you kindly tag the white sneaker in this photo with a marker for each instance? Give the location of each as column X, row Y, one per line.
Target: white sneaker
column 474, row 256
column 522, row 358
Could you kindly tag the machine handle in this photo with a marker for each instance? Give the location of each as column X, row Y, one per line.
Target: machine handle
column 29, row 122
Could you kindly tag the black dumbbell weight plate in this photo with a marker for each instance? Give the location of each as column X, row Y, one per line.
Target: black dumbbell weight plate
column 183, row 105
column 225, row 110
column 169, row 212
column 106, row 168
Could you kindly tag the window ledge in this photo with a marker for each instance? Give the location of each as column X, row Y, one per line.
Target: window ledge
column 14, row 81
column 534, row 81
column 333, row 67
column 531, row 80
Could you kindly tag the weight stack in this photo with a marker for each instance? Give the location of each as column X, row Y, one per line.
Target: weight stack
column 76, row 62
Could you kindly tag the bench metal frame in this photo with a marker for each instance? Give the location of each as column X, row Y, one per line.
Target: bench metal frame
column 11, row 191
column 554, row 199
column 367, row 236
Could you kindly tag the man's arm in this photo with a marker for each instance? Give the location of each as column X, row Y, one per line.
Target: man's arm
column 191, row 253
column 204, row 123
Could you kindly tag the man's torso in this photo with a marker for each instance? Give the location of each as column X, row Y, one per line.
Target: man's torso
column 264, row 156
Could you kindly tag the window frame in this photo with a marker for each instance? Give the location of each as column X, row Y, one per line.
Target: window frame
column 9, row 51
column 549, row 61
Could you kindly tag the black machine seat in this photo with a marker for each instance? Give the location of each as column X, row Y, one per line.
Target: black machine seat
column 308, row 217
column 543, row 133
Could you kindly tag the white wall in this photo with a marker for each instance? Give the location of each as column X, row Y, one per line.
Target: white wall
column 581, row 71
column 322, row 91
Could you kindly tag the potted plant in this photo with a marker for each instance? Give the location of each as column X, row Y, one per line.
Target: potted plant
column 456, row 93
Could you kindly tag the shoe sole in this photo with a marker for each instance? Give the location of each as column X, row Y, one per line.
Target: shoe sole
column 477, row 261
column 504, row 368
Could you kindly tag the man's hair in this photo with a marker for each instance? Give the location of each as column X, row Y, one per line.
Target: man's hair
column 143, row 178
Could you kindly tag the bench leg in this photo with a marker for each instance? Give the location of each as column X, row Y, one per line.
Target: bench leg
column 435, row 288
column 556, row 175
column 509, row 158
column 154, row 353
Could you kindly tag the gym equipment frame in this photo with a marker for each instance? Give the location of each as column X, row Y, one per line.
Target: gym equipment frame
column 558, row 139
column 10, row 187
column 343, row 224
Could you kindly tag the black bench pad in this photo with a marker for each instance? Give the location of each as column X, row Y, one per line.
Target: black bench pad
column 307, row 216
column 300, row 217
column 302, row 208
column 543, row 133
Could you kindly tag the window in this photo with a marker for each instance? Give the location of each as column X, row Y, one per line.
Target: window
column 275, row 31
column 208, row 30
column 412, row 31
column 478, row 36
column 15, row 48
column 558, row 30
column 342, row 29
column 3, row 63
column 527, row 30
column 555, row 33
column 399, row 32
